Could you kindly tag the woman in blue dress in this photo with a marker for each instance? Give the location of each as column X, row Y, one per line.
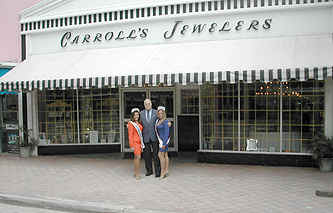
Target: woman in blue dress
column 162, row 133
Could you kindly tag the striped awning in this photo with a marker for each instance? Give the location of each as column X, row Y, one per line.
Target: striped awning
column 245, row 76
column 246, row 60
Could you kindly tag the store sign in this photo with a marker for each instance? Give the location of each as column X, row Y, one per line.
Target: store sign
column 178, row 29
column 11, row 126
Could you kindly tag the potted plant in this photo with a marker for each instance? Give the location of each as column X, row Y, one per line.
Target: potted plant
column 322, row 152
column 28, row 146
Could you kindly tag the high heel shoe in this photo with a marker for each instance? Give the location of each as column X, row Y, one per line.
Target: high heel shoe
column 162, row 177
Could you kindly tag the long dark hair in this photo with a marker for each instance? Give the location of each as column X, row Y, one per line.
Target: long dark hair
column 132, row 116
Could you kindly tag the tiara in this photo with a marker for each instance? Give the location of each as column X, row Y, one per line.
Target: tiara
column 135, row 110
column 161, row 108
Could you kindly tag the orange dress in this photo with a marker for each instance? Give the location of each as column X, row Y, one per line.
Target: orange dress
column 134, row 138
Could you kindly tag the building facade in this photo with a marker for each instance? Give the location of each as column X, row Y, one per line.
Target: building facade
column 243, row 81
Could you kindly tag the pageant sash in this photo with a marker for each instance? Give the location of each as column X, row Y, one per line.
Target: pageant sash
column 139, row 133
column 160, row 141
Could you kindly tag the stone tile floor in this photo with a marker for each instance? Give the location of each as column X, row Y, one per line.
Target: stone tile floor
column 191, row 187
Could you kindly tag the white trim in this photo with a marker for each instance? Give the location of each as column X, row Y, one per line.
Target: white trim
column 169, row 80
column 320, row 74
column 161, row 78
column 119, row 80
column 140, row 80
column 200, row 78
column 113, row 82
column 40, row 7
column 99, row 83
column 191, row 77
column 7, row 65
column 159, row 17
column 275, row 74
column 240, row 75
column 249, row 76
column 80, row 144
column 224, row 76
column 200, row 120
column 216, row 77
column 292, row 73
column 232, row 77
column 184, row 79
column 311, row 73
column 258, row 74
column 256, row 153
column 301, row 75
column 133, row 79
column 207, row 77
column 284, row 75
column 177, row 78
column 154, row 80
column 126, row 81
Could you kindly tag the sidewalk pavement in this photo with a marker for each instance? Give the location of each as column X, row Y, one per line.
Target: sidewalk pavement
column 5, row 208
column 106, row 182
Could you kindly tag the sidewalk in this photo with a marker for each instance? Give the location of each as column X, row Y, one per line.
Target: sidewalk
column 191, row 187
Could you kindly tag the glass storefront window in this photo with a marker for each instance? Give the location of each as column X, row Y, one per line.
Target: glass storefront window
column 9, row 109
column 219, row 113
column 99, row 115
column 260, row 115
column 163, row 98
column 57, row 117
column 98, row 111
column 303, row 114
column 300, row 104
column 189, row 101
column 10, row 116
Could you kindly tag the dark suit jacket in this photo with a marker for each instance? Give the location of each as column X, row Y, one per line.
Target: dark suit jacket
column 148, row 126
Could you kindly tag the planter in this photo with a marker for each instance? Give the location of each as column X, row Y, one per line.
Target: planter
column 326, row 164
column 25, row 151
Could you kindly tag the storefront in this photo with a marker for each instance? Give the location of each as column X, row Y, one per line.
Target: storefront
column 243, row 81
column 8, row 115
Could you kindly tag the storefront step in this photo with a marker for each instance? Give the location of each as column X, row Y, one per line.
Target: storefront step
column 78, row 149
column 256, row 159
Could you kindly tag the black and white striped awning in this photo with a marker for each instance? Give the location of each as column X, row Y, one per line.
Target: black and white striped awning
column 246, row 76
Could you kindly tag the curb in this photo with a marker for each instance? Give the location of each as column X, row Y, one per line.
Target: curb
column 69, row 205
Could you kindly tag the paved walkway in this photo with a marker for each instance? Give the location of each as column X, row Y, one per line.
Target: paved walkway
column 191, row 187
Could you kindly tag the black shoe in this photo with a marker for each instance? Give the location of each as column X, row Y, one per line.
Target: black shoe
column 158, row 175
column 149, row 173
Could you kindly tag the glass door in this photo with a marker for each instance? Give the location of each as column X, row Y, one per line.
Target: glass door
column 163, row 97
column 131, row 99
column 134, row 97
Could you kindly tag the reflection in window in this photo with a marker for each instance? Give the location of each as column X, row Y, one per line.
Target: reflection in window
column 219, row 116
column 98, row 116
column 260, row 115
column 57, row 117
column 163, row 98
column 10, row 118
column 133, row 100
column 300, row 104
column 9, row 109
column 189, row 101
column 303, row 114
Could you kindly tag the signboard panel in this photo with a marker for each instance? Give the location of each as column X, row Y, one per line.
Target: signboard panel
column 224, row 26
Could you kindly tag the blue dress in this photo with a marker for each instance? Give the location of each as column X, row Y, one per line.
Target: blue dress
column 163, row 132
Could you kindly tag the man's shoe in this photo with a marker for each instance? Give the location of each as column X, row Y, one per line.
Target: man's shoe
column 149, row 173
column 158, row 175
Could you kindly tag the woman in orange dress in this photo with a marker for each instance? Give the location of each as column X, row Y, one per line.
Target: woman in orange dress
column 135, row 139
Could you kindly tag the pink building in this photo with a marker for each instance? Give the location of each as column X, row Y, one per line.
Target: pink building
column 10, row 39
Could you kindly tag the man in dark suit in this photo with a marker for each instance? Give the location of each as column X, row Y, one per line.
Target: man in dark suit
column 148, row 117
